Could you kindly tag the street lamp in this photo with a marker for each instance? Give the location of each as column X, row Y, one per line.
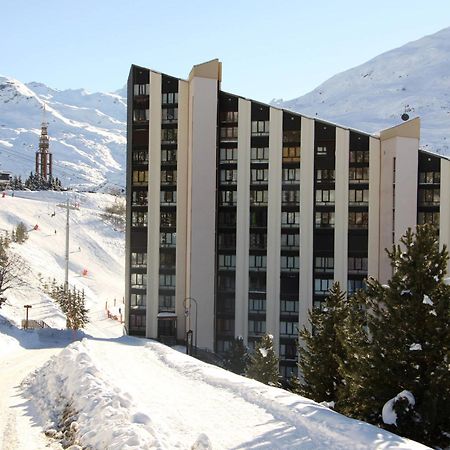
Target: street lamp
column 187, row 306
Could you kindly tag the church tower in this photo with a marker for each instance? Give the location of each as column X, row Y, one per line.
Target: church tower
column 43, row 156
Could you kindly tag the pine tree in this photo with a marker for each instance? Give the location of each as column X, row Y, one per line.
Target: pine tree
column 21, row 233
column 320, row 348
column 236, row 358
column 263, row 365
column 408, row 322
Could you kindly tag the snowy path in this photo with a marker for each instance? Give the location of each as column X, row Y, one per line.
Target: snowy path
column 17, row 429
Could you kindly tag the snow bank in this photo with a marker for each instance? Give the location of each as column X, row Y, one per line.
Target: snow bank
column 104, row 417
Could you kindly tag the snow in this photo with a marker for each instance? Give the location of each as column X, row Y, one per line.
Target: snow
column 388, row 414
column 427, row 300
column 415, row 347
column 371, row 97
column 263, row 352
column 121, row 392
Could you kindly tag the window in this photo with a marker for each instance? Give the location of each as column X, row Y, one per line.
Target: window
column 325, row 219
column 354, row 285
column 325, row 175
column 140, row 156
column 256, row 305
column 168, row 156
column 169, row 98
column 167, row 239
column 260, row 128
column 140, row 115
column 258, row 176
column 291, row 175
column 256, row 282
column 228, row 176
column 257, row 261
column 429, row 177
column 358, row 220
column 288, row 306
column 141, row 89
column 289, row 262
column 290, row 218
column 138, row 280
column 259, row 154
column 138, row 260
column 228, row 133
column 290, row 197
column 228, row 198
column 227, row 218
column 358, row 174
column 228, row 116
column 288, row 351
column 138, row 301
column 290, row 240
column 169, row 115
column 226, row 282
column 429, row 197
column 291, row 136
column 258, row 241
column 168, row 197
column 225, row 325
column 288, row 371
column 322, row 286
column 227, row 240
column 167, row 280
column 288, row 328
column 321, row 151
column 139, row 198
column 228, row 154
column 168, row 176
column 139, row 218
column 431, row 217
column 258, row 218
column 258, row 197
column 167, row 259
column 291, row 154
column 256, row 327
column 359, row 156
column 358, row 196
column 223, row 345
column 325, row 197
column 168, row 219
column 169, row 136
column 137, row 321
column 324, row 264
column 227, row 261
column 166, row 302
column 140, row 177
column 357, row 264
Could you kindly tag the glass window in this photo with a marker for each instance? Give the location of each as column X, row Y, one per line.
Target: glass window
column 260, row 127
column 290, row 240
column 228, row 154
column 290, row 197
column 256, row 326
column 140, row 115
column 169, row 98
column 259, row 197
column 167, row 259
column 168, row 219
column 288, row 328
column 227, row 218
column 167, row 280
column 169, row 136
column 140, row 156
column 168, row 197
column 258, row 176
column 258, row 240
column 228, row 198
column 324, row 196
column 169, row 115
column 139, row 198
column 325, row 175
column 291, row 136
column 168, row 176
column 321, row 151
column 357, row 264
column 289, row 262
column 358, row 174
column 288, row 351
column 290, row 218
column 354, row 285
column 257, row 261
column 256, row 305
column 291, row 154
column 325, row 219
column 291, row 175
column 358, row 220
column 431, row 217
column 141, row 89
column 168, row 156
column 140, row 177
column 139, row 218
column 137, row 321
column 138, row 260
column 228, row 133
column 227, row 240
column 359, row 156
column 259, row 154
column 324, row 264
column 429, row 196
column 228, row 176
column 258, row 218
column 166, row 302
column 167, row 239
column 358, row 196
column 228, row 116
column 322, row 286
column 227, row 261
column 288, row 306
column 138, row 280
column 138, row 301
column 429, row 177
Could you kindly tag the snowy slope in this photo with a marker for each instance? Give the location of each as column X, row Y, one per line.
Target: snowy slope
column 87, row 132
column 373, row 96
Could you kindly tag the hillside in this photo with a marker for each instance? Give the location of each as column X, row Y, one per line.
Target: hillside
column 87, row 132
column 372, row 96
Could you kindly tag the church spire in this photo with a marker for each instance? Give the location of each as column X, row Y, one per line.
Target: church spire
column 43, row 155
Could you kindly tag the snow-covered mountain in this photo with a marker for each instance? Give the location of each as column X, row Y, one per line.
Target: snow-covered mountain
column 372, row 96
column 87, row 132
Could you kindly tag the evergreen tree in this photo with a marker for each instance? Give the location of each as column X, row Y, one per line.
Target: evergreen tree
column 263, row 364
column 236, row 358
column 320, row 349
column 21, row 233
column 408, row 322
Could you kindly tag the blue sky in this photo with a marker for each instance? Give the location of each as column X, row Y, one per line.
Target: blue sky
column 269, row 49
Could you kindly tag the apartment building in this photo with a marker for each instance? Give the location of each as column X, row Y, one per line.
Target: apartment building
column 241, row 215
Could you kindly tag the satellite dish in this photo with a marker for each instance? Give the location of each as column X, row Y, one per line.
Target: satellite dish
column 405, row 117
